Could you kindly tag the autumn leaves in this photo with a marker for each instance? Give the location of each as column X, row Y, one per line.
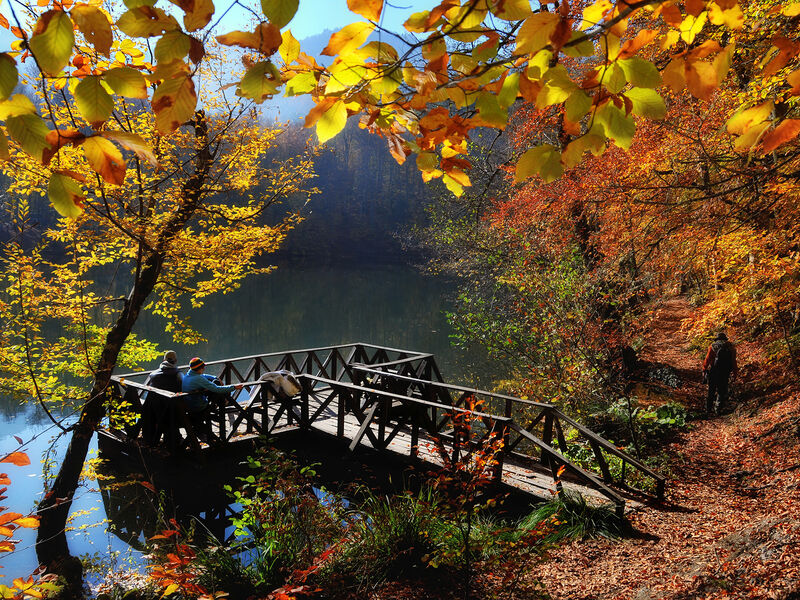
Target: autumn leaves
column 601, row 64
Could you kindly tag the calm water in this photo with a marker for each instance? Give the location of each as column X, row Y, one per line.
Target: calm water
column 295, row 307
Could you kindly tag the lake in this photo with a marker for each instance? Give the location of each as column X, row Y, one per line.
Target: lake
column 297, row 306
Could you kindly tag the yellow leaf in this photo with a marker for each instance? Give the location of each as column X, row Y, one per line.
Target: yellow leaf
column 146, row 21
column 52, row 41
column 593, row 14
column 260, row 82
column 331, row 122
column 105, row 158
column 751, row 136
column 174, row 102
column 535, row 32
column 369, row 9
column 510, row 10
column 134, row 143
column 647, row 103
column 126, row 82
column 745, row 119
column 792, row 10
column 731, row 17
column 701, row 79
column 28, row 522
column 172, row 45
column 15, row 106
column 348, row 38
column 289, row 48
column 427, row 161
column 66, row 195
column 302, row 83
column 691, row 26
column 93, row 23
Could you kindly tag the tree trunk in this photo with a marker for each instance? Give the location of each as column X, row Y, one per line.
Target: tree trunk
column 51, row 545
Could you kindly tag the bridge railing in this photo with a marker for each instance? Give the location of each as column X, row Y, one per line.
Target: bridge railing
column 248, row 411
column 537, row 428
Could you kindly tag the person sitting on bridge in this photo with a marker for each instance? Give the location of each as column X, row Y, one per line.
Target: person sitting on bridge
column 198, row 385
column 718, row 366
column 156, row 412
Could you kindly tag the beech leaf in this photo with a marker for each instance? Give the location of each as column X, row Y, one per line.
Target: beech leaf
column 369, row 9
column 94, row 25
column 105, row 158
column 279, row 12
column 52, row 41
column 331, row 122
column 66, row 195
column 8, row 75
column 93, row 101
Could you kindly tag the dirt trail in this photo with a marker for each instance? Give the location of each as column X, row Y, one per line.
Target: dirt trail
column 731, row 525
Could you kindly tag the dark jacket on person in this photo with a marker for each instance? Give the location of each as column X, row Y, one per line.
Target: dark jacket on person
column 711, row 365
column 166, row 377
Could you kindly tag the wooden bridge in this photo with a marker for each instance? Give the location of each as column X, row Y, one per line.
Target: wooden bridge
column 392, row 401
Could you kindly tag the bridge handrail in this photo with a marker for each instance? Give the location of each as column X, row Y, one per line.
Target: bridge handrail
column 553, row 453
column 167, row 394
column 609, row 447
column 352, row 386
column 450, row 386
column 414, row 355
column 556, row 412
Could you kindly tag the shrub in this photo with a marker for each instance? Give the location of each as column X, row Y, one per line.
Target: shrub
column 570, row 516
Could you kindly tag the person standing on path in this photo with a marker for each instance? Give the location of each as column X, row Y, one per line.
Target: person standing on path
column 718, row 366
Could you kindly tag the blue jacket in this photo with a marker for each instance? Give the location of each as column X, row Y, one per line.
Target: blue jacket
column 198, row 385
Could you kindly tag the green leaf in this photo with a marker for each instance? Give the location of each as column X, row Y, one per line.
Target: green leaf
column 8, row 75
column 617, row 125
column 577, row 105
column 52, row 41
column 260, row 81
column 640, row 72
column 544, row 160
column 66, row 195
column 331, row 122
column 173, row 45
column 585, row 47
column 30, row 131
column 94, row 103
column 647, row 103
column 490, row 111
column 509, row 91
column 126, row 82
column 299, row 84
column 279, row 12
column 613, row 78
column 557, row 87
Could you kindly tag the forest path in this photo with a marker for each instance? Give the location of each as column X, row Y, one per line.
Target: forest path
column 731, row 524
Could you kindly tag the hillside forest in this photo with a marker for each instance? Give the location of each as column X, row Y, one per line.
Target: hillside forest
column 614, row 187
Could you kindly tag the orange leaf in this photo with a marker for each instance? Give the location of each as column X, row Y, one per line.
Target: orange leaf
column 783, row 133
column 27, row 522
column 561, row 470
column 59, row 138
column 148, row 485
column 369, row 9
column 16, row 458
column 8, row 517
